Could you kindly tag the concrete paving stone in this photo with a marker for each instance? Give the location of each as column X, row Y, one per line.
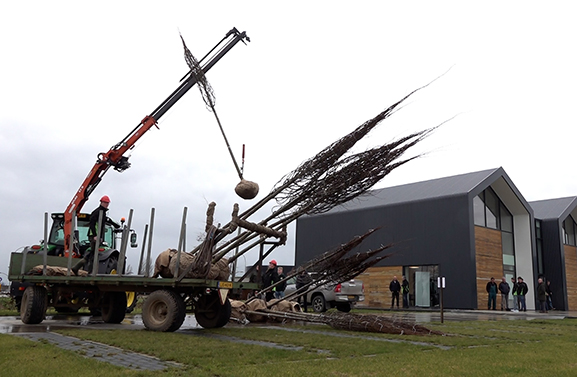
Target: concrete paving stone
column 102, row 352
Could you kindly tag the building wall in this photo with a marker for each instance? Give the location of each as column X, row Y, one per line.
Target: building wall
column 437, row 231
column 376, row 281
column 488, row 262
column 554, row 262
column 571, row 276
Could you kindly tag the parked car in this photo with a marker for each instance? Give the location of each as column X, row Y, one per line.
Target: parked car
column 342, row 296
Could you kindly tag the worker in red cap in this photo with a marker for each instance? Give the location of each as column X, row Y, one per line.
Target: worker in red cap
column 93, row 232
column 269, row 278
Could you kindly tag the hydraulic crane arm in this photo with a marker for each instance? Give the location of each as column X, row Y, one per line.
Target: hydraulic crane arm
column 115, row 156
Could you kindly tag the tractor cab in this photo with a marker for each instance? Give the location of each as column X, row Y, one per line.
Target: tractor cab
column 56, row 237
column 55, row 244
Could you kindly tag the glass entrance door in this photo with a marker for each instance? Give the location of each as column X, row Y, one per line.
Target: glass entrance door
column 422, row 289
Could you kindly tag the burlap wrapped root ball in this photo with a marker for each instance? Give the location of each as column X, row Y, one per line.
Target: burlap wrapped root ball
column 246, row 189
column 237, row 310
column 218, row 270
column 284, row 306
column 162, row 262
column 256, row 305
column 165, row 266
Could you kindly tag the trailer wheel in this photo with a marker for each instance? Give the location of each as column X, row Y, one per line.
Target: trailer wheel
column 33, row 306
column 210, row 313
column 131, row 300
column 164, row 311
column 113, row 307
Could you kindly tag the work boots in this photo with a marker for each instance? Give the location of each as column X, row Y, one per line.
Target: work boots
column 78, row 266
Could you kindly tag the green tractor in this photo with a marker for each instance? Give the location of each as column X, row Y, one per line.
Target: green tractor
column 108, row 255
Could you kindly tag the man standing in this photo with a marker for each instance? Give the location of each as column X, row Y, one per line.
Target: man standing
column 303, row 281
column 279, row 293
column 542, row 295
column 395, row 288
column 405, row 288
column 504, row 289
column 269, row 278
column 492, row 291
column 93, row 227
column 514, row 287
column 522, row 290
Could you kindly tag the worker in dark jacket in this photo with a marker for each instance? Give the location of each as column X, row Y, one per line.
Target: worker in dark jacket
column 542, row 295
column 514, row 287
column 405, row 288
column 303, row 281
column 522, row 290
column 269, row 278
column 504, row 289
column 93, row 227
column 492, row 291
column 279, row 293
column 395, row 288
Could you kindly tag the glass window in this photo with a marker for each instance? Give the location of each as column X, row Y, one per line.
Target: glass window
column 569, row 231
column 506, row 219
column 491, row 209
column 479, row 210
column 508, row 243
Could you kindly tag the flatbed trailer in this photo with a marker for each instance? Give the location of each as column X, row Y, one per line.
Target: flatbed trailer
column 168, row 301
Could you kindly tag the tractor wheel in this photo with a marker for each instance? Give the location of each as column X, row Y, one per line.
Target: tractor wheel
column 319, row 304
column 210, row 313
column 113, row 307
column 33, row 306
column 112, row 266
column 164, row 311
column 131, row 300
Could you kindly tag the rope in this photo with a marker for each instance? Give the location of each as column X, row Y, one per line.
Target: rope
column 207, row 94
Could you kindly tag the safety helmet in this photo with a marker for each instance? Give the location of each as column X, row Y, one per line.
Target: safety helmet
column 105, row 199
column 273, row 262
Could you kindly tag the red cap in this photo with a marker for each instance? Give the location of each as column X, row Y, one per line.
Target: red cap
column 273, row 262
column 105, row 199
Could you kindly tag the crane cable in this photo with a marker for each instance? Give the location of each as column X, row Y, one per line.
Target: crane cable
column 207, row 94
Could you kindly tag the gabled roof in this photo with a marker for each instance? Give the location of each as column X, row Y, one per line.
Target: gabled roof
column 436, row 188
column 554, row 208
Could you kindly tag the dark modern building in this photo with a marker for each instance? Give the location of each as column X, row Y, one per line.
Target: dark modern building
column 467, row 228
column 556, row 244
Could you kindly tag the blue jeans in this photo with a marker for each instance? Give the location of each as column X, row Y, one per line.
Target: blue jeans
column 279, row 294
column 522, row 305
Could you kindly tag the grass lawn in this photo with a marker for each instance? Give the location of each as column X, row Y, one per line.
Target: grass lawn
column 472, row 348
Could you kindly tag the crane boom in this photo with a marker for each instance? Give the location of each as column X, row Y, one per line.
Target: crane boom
column 115, row 156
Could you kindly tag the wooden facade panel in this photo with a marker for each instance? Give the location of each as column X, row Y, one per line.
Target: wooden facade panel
column 571, row 276
column 376, row 281
column 489, row 262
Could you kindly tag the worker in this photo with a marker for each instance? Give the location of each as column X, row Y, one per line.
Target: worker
column 269, row 278
column 93, row 227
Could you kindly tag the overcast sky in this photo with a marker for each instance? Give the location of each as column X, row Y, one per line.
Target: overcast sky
column 77, row 77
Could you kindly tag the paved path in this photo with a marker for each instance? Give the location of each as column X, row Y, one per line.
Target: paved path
column 103, row 352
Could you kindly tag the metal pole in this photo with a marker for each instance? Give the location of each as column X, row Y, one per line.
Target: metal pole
column 45, row 243
column 142, row 250
column 147, row 272
column 235, row 254
column 74, row 226
column 180, row 241
column 124, row 243
column 97, row 245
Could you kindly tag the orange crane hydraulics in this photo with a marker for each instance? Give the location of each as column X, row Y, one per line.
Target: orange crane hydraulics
column 115, row 156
